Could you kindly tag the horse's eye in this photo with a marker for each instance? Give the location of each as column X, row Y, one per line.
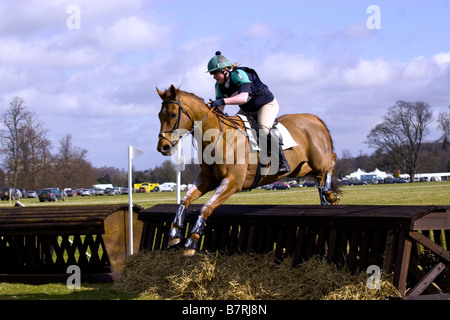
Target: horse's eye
column 173, row 115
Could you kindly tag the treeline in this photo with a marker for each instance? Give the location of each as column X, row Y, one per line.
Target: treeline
column 29, row 163
column 438, row 160
column 401, row 144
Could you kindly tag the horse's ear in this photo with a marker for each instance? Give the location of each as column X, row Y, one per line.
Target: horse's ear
column 173, row 91
column 161, row 94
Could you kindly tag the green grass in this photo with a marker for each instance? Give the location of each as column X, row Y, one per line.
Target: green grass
column 427, row 193
column 431, row 193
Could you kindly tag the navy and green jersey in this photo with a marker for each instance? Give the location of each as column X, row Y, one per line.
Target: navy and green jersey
column 244, row 79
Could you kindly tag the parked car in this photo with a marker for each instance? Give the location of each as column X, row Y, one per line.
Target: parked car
column 85, row 193
column 394, row 180
column 99, row 192
column 266, row 186
column 166, row 186
column 32, row 194
column 6, row 193
column 280, row 186
column 110, row 191
column 71, row 193
column 310, row 184
column 117, row 190
column 51, row 194
column 23, row 193
column 357, row 183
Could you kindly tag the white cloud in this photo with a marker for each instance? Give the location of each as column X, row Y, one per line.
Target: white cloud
column 442, row 58
column 369, row 73
column 133, row 33
column 291, row 69
column 259, row 30
column 47, row 54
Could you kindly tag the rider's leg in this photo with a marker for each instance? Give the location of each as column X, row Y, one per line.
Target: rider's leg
column 267, row 115
column 275, row 137
column 266, row 118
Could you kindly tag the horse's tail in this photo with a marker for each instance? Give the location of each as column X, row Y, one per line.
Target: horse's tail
column 336, row 186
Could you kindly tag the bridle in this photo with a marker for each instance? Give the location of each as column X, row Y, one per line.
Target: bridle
column 176, row 127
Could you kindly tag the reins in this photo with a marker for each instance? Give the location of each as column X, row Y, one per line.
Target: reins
column 219, row 114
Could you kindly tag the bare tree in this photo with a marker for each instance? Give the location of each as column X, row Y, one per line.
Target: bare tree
column 24, row 145
column 35, row 148
column 72, row 168
column 12, row 138
column 402, row 133
column 444, row 125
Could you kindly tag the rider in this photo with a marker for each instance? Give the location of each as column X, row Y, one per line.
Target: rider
column 242, row 86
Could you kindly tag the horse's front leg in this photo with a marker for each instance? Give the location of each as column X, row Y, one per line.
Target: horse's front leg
column 196, row 191
column 225, row 190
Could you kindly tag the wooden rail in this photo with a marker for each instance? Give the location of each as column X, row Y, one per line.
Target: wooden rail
column 37, row 244
column 358, row 236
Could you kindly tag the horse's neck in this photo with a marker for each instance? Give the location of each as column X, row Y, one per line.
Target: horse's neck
column 199, row 111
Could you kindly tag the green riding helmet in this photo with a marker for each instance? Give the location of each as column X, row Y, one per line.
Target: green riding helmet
column 218, row 62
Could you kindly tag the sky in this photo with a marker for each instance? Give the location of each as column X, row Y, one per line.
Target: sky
column 90, row 68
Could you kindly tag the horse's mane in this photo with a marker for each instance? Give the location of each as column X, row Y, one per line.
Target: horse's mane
column 218, row 113
column 185, row 93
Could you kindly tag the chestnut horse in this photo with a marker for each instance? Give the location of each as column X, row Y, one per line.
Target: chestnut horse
column 230, row 168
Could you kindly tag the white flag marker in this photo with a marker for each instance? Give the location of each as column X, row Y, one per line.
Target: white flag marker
column 132, row 153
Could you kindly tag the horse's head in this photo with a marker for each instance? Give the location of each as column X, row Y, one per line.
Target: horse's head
column 175, row 120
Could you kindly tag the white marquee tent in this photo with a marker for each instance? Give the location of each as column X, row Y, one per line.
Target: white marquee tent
column 361, row 173
column 380, row 175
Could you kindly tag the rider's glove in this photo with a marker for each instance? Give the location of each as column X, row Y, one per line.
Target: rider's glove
column 217, row 103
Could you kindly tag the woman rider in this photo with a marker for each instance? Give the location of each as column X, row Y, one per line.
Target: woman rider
column 242, row 86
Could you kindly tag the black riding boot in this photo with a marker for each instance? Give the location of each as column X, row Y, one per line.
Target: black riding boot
column 275, row 137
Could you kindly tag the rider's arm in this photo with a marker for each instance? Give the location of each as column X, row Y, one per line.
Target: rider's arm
column 238, row 99
column 243, row 82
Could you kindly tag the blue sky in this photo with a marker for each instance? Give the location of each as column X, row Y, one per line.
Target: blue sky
column 98, row 82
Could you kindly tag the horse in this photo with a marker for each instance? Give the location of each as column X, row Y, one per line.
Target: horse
column 231, row 167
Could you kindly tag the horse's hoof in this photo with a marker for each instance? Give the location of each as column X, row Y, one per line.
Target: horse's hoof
column 175, row 237
column 173, row 242
column 189, row 252
column 190, row 247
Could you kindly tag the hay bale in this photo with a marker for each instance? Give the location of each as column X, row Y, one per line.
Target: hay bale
column 169, row 275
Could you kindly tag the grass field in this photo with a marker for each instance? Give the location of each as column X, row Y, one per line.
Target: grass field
column 436, row 193
column 431, row 193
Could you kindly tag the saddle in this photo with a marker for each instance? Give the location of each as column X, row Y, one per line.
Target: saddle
column 252, row 130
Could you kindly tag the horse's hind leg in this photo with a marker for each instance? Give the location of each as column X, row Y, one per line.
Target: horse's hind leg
column 326, row 191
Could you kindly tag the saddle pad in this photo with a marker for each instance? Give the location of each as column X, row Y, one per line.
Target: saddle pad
column 288, row 141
